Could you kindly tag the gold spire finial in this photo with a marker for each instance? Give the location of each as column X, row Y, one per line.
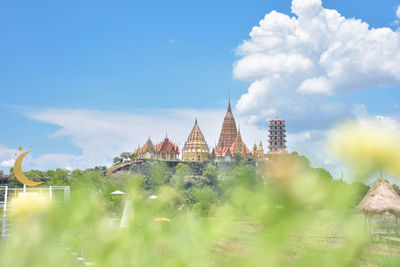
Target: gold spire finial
column 229, row 105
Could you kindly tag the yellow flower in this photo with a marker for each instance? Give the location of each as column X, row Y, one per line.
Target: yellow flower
column 367, row 146
column 27, row 205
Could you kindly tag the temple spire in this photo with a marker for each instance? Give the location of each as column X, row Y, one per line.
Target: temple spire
column 229, row 102
column 229, row 130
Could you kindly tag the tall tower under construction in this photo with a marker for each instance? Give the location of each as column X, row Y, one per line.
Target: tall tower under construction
column 277, row 136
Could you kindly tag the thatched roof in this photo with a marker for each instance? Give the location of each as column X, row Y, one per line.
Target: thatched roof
column 380, row 198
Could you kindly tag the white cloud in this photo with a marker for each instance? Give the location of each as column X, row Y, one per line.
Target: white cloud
column 315, row 85
column 60, row 160
column 360, row 110
column 312, row 144
column 7, row 163
column 6, row 157
column 398, row 12
column 5, row 152
column 259, row 65
column 388, row 122
column 294, row 63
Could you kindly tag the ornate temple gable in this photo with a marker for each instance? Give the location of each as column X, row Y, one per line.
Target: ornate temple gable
column 138, row 150
column 167, row 146
column 228, row 131
column 148, row 147
column 166, row 150
column 222, row 152
column 147, row 151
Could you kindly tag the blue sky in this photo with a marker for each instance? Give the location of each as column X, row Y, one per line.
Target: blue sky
column 130, row 58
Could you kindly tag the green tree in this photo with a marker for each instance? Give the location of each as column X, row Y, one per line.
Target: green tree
column 13, row 181
column 203, row 199
column 361, row 190
column 246, row 176
column 178, row 179
column 159, row 175
column 117, row 160
column 238, row 157
column 300, row 158
column 125, row 156
column 33, row 175
column 133, row 156
column 58, row 177
column 396, row 188
column 323, row 174
column 210, row 175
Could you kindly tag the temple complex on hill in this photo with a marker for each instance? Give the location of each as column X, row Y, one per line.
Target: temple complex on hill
column 196, row 148
column 166, row 150
column 230, row 144
column 230, row 141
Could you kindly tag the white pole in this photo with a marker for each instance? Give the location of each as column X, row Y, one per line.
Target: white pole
column 24, row 188
column 3, row 228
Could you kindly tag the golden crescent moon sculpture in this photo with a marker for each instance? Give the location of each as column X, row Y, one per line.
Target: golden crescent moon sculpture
column 20, row 174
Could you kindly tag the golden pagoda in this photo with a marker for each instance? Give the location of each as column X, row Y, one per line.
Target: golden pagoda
column 254, row 152
column 196, row 148
column 258, row 152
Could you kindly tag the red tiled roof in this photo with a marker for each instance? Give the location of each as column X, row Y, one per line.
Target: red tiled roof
column 167, row 146
column 239, row 146
column 221, row 152
column 148, row 147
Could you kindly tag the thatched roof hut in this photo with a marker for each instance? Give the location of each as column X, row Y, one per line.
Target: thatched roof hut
column 381, row 198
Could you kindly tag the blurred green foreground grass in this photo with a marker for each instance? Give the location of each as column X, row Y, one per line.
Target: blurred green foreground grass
column 263, row 225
